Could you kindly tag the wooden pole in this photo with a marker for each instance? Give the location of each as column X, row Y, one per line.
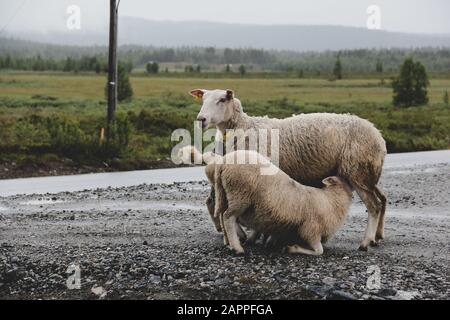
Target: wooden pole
column 112, row 67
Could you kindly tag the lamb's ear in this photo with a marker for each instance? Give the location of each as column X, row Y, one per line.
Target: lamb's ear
column 198, row 93
column 230, row 94
column 330, row 181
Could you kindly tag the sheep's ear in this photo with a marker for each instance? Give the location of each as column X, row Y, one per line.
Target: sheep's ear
column 330, row 181
column 197, row 93
column 230, row 94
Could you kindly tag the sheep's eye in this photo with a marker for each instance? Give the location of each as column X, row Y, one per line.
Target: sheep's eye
column 222, row 100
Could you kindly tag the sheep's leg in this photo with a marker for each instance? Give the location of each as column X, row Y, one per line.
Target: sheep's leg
column 374, row 208
column 316, row 246
column 380, row 228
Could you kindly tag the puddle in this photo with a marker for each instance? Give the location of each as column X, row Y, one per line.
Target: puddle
column 112, row 205
column 411, row 213
column 413, row 169
column 37, row 202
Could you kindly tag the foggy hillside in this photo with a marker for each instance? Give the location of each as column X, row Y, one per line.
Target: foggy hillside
column 194, row 33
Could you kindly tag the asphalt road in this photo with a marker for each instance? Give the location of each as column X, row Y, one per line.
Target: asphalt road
column 132, row 178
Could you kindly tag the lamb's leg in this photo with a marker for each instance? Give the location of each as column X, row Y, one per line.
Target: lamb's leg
column 270, row 242
column 225, row 235
column 266, row 239
column 317, row 249
column 210, row 204
column 241, row 233
column 254, row 236
column 380, row 228
column 374, row 208
column 230, row 225
column 231, row 233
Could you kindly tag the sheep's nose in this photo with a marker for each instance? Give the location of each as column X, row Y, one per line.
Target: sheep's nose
column 201, row 118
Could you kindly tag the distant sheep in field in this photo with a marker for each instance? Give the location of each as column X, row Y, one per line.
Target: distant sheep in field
column 275, row 205
column 311, row 148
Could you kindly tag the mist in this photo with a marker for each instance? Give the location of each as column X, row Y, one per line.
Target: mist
column 420, row 16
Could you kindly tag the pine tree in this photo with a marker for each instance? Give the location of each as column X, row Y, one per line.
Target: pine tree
column 337, row 71
column 242, row 70
column 379, row 67
column 410, row 87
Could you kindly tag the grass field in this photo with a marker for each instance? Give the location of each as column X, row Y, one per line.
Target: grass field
column 91, row 86
column 59, row 115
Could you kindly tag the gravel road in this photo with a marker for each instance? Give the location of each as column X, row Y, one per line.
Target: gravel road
column 157, row 242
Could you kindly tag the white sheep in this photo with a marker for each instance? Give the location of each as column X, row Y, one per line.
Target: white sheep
column 275, row 205
column 313, row 147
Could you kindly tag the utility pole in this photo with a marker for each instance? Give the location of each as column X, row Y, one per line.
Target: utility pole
column 112, row 66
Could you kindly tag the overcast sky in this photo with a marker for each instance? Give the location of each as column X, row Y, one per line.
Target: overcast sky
column 416, row 16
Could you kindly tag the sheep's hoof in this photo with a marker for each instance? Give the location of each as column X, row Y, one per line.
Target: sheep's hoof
column 373, row 243
column 239, row 252
column 362, row 248
column 379, row 237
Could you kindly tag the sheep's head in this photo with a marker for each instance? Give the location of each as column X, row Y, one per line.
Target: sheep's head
column 218, row 106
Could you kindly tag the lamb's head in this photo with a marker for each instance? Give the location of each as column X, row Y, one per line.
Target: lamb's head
column 334, row 181
column 218, row 106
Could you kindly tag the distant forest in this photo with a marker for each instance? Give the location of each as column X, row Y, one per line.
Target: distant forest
column 26, row 55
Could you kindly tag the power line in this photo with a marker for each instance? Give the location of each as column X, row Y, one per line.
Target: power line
column 13, row 16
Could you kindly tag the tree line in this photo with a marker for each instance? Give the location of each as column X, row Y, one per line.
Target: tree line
column 29, row 55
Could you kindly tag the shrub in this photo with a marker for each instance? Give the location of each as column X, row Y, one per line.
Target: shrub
column 124, row 90
column 152, row 67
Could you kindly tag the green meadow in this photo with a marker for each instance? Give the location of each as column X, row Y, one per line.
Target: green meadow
column 59, row 115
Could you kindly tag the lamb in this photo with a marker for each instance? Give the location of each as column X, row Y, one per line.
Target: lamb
column 301, row 216
column 311, row 148
column 187, row 155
